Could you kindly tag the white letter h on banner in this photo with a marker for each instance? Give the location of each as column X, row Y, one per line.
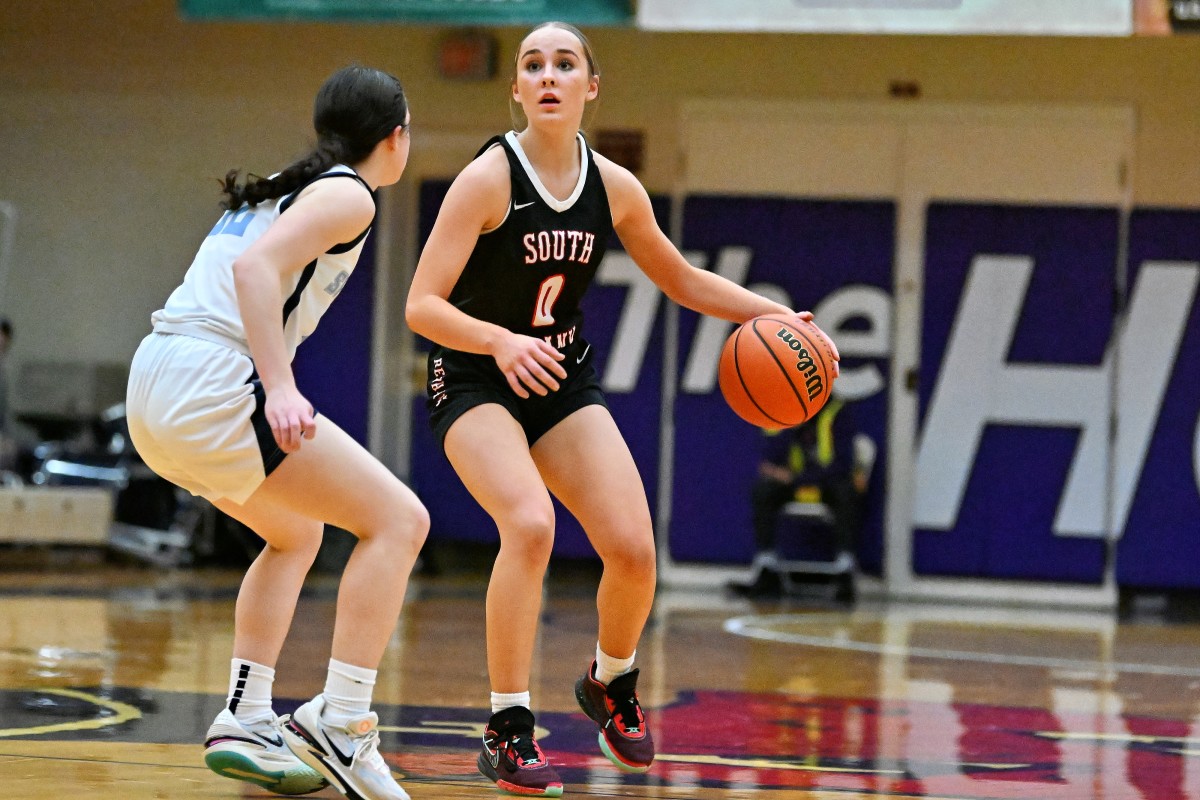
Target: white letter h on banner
column 976, row 386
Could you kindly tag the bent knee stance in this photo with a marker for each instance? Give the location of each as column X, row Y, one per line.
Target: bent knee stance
column 413, row 526
column 528, row 534
column 301, row 548
column 402, row 524
column 632, row 554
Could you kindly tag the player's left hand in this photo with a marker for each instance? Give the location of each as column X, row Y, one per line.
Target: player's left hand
column 291, row 417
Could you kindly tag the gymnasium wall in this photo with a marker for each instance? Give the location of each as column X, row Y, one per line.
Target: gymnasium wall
column 117, row 118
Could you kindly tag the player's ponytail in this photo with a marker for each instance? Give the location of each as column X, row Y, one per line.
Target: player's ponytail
column 355, row 109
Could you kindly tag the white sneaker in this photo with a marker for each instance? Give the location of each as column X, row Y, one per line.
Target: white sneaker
column 347, row 755
column 257, row 754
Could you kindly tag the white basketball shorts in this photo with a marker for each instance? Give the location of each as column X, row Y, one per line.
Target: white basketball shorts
column 195, row 413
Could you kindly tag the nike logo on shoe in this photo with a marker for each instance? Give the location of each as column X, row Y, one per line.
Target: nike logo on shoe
column 493, row 756
column 316, row 747
column 346, row 760
column 274, row 741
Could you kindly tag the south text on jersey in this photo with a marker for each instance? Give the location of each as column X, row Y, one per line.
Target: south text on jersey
column 559, row 246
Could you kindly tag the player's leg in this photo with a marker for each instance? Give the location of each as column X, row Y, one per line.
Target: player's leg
column 243, row 741
column 490, row 453
column 586, row 464
column 267, row 597
column 334, row 479
column 488, row 450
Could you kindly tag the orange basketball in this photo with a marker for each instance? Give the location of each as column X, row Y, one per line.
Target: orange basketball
column 776, row 371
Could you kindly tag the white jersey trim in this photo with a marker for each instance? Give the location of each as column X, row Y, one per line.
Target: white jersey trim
column 551, row 200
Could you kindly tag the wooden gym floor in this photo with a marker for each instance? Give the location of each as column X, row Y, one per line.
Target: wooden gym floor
column 109, row 676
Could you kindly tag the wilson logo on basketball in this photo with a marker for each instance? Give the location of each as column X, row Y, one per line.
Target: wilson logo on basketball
column 804, row 363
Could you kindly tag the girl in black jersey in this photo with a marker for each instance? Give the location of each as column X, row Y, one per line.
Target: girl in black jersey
column 516, row 403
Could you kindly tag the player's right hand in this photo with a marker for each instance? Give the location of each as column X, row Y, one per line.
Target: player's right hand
column 291, row 418
column 529, row 364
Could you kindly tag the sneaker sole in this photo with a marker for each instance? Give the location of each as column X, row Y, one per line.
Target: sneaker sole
column 609, row 753
column 612, row 756
column 485, row 769
column 229, row 764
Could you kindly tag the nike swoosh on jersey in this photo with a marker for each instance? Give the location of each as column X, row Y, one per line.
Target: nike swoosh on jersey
column 519, row 206
column 584, row 354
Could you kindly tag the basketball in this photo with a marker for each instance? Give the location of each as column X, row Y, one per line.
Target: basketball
column 776, row 371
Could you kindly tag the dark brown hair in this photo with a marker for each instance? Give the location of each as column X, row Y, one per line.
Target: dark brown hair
column 355, row 109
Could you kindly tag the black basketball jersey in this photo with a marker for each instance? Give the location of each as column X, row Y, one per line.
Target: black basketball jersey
column 529, row 274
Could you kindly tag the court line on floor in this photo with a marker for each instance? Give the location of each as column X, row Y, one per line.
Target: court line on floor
column 757, row 627
column 118, row 713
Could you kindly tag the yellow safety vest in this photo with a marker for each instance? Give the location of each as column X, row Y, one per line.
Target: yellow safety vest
column 825, row 448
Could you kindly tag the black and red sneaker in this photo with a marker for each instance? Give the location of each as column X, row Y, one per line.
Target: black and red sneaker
column 624, row 736
column 512, row 758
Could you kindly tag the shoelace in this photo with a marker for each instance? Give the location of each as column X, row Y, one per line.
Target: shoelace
column 525, row 748
column 366, row 748
column 627, row 709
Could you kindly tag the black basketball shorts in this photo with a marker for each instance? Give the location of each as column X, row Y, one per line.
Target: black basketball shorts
column 457, row 382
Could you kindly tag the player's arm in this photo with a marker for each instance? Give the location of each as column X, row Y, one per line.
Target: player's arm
column 697, row 289
column 329, row 212
column 700, row 290
column 477, row 201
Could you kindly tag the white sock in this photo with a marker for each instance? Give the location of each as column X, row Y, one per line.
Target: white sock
column 249, row 695
column 347, row 692
column 608, row 667
column 501, row 701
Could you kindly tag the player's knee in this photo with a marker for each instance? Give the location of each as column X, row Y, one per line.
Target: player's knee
column 299, row 542
column 529, row 531
column 418, row 524
column 401, row 522
column 632, row 553
column 408, row 525
column 310, row 546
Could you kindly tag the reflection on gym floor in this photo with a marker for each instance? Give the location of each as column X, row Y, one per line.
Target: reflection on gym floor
column 109, row 676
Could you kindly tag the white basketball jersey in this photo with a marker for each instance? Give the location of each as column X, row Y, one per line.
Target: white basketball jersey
column 205, row 304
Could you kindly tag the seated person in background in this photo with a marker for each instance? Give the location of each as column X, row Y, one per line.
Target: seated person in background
column 812, row 462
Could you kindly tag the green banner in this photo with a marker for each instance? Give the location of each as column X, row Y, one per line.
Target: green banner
column 453, row 12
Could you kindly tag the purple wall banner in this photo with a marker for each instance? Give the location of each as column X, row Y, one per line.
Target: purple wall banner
column 830, row 257
column 1045, row 426
column 1157, row 500
column 333, row 365
column 1015, row 392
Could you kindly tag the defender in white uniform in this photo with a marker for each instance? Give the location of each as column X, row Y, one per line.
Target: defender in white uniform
column 213, row 406
column 199, row 404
